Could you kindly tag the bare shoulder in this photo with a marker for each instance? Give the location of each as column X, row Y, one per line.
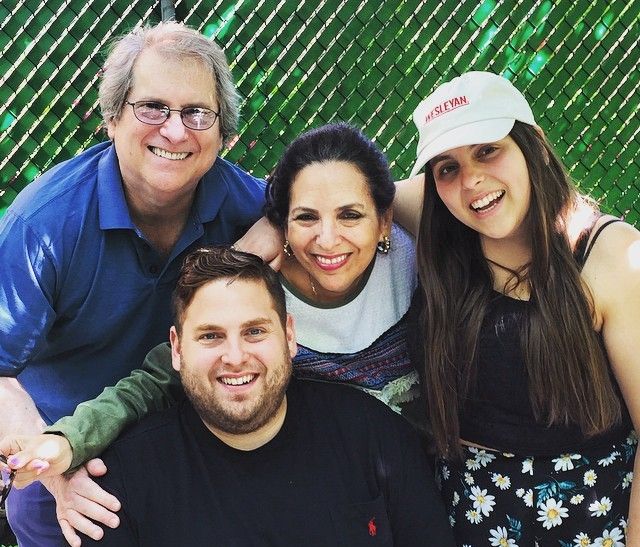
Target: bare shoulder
column 617, row 244
column 612, row 270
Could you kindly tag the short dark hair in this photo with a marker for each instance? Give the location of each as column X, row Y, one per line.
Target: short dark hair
column 333, row 142
column 212, row 263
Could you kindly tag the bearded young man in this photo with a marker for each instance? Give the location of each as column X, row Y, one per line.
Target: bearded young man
column 254, row 457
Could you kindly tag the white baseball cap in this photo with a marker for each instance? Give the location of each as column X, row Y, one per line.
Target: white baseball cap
column 474, row 108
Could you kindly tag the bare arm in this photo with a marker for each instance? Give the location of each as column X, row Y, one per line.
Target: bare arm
column 407, row 205
column 18, row 413
column 613, row 272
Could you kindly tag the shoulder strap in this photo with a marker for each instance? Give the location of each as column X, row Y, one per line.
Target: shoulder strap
column 591, row 242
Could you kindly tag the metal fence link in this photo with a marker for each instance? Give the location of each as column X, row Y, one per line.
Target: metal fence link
column 299, row 64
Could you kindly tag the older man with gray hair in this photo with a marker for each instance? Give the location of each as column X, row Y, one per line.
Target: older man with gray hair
column 92, row 249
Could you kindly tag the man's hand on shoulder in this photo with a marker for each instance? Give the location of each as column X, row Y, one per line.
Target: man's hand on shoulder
column 80, row 501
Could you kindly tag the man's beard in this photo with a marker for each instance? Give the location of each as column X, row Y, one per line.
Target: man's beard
column 253, row 415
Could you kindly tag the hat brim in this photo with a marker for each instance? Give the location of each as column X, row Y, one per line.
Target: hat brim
column 471, row 133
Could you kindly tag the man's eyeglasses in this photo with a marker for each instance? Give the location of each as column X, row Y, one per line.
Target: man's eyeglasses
column 6, row 479
column 193, row 117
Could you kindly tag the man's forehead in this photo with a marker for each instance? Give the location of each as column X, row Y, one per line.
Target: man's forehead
column 240, row 300
column 159, row 72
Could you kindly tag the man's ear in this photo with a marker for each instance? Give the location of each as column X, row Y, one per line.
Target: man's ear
column 111, row 128
column 175, row 348
column 290, row 332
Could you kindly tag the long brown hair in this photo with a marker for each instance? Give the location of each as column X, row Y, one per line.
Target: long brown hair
column 569, row 380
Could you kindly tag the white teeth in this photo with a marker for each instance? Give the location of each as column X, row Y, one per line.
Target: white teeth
column 334, row 260
column 486, row 200
column 168, row 155
column 238, row 381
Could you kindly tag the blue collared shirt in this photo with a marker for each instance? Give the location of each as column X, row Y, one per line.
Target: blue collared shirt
column 83, row 295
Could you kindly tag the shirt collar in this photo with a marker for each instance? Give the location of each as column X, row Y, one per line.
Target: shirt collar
column 112, row 205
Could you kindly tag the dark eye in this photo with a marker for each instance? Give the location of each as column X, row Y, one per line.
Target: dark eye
column 209, row 336
column 350, row 215
column 445, row 169
column 305, row 217
column 487, row 150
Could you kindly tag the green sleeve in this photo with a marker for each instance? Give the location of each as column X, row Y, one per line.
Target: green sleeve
column 97, row 423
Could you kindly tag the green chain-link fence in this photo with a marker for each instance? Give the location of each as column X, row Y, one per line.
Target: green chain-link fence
column 299, row 64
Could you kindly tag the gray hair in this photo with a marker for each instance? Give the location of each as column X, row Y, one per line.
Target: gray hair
column 174, row 40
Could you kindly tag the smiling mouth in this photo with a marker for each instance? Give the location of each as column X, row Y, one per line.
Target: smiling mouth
column 487, row 202
column 237, row 381
column 160, row 152
column 331, row 262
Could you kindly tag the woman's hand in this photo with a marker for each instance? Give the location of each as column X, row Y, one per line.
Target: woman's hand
column 265, row 240
column 34, row 457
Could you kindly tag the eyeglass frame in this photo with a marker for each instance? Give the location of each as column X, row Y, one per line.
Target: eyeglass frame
column 6, row 485
column 168, row 112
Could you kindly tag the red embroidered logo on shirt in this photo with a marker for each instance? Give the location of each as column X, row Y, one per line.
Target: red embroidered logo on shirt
column 372, row 527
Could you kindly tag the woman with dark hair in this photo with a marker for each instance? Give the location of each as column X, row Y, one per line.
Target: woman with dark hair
column 530, row 324
column 349, row 274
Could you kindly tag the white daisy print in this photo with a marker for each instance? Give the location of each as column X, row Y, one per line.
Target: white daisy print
column 528, row 498
column 520, row 492
column 589, row 478
column 456, row 499
column 609, row 459
column 468, row 478
column 632, row 438
column 551, row 513
column 577, row 499
column 445, row 473
column 452, row 521
column 499, row 538
column 613, row 538
column 473, row 516
column 501, row 481
column 627, row 480
column 527, row 466
column 484, row 458
column 623, row 524
column 565, row 462
column 582, row 540
column 600, row 508
column 472, row 465
column 482, row 501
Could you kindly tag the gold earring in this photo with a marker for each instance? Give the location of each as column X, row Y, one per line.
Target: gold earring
column 287, row 248
column 384, row 245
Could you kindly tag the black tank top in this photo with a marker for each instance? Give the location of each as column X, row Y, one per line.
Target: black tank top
column 498, row 413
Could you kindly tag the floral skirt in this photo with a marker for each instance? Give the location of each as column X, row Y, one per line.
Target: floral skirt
column 572, row 500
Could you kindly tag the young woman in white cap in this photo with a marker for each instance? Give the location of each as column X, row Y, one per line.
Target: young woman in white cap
column 531, row 322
